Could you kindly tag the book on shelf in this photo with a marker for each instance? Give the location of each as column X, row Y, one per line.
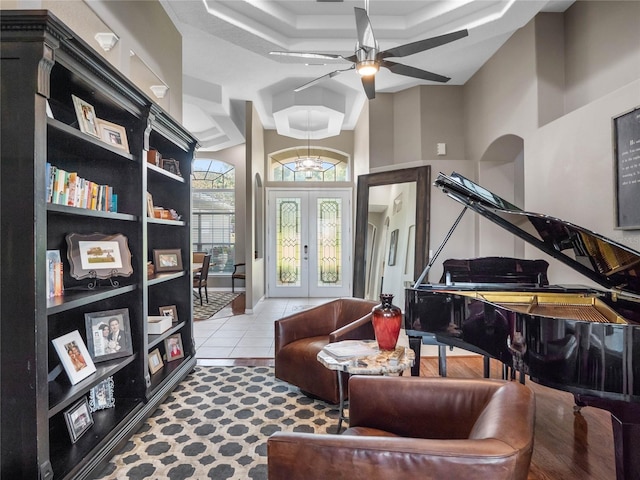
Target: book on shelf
column 68, row 188
column 55, row 286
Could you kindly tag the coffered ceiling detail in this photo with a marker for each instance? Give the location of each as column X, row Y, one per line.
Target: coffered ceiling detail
column 226, row 45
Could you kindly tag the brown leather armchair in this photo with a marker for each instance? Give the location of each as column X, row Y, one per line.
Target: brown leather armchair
column 417, row 427
column 299, row 338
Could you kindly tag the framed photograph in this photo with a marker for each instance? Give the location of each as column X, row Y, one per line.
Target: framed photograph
column 155, row 361
column 171, row 165
column 167, row 260
column 108, row 334
column 78, row 419
column 86, row 117
column 101, row 396
column 98, row 256
column 114, row 135
column 173, row 347
column 626, row 152
column 150, row 208
column 170, row 311
column 74, row 356
column 393, row 247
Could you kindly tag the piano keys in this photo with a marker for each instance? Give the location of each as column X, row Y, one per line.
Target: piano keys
column 578, row 339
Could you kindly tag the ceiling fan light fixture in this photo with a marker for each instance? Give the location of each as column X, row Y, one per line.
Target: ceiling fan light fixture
column 367, row 67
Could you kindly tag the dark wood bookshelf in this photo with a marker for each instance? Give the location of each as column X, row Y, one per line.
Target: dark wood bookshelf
column 44, row 62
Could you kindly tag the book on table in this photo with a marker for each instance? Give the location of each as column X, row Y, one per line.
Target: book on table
column 352, row 348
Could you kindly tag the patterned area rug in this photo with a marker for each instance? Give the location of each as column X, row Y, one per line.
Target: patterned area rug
column 215, row 425
column 217, row 301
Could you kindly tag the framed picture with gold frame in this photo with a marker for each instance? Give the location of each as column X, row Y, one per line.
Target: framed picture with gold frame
column 114, row 135
column 155, row 362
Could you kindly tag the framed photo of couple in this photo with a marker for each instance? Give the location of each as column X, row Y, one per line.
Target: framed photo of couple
column 108, row 334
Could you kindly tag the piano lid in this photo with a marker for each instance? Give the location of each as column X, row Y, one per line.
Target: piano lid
column 610, row 264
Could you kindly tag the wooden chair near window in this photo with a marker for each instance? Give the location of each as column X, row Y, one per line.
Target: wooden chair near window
column 200, row 278
column 239, row 273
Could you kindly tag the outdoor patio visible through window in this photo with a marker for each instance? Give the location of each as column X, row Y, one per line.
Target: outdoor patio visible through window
column 213, row 215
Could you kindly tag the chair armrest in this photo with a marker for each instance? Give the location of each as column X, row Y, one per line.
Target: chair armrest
column 361, row 329
column 315, row 321
column 318, row 457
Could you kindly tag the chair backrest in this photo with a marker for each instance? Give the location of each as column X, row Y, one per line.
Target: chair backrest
column 202, row 277
column 198, row 257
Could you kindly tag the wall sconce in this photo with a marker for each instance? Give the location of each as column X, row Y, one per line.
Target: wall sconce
column 107, row 40
column 159, row 90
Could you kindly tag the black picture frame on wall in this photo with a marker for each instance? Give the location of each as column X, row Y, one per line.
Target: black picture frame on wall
column 626, row 159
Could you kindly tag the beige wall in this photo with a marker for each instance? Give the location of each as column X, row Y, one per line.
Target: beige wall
column 381, row 131
column 500, row 99
column 442, row 121
column 406, row 126
column 255, row 161
column 142, row 27
column 602, row 49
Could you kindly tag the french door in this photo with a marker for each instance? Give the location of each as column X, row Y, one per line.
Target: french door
column 309, row 243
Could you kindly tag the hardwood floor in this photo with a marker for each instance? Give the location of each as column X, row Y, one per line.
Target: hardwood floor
column 567, row 446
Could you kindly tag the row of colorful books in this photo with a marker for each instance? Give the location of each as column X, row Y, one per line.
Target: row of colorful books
column 67, row 188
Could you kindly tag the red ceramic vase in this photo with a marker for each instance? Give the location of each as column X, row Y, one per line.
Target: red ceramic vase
column 387, row 320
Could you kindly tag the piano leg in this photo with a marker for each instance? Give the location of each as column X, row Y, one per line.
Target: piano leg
column 415, row 344
column 625, row 420
column 442, row 360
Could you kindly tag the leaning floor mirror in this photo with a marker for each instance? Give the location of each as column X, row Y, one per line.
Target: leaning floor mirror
column 392, row 232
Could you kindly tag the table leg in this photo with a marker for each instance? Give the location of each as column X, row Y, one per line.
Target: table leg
column 341, row 413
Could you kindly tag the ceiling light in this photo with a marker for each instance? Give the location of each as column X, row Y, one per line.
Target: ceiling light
column 309, row 164
column 367, row 67
column 106, row 40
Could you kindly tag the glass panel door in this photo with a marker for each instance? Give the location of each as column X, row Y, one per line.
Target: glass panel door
column 309, row 243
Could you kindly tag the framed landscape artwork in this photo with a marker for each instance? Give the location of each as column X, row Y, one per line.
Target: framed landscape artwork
column 98, row 256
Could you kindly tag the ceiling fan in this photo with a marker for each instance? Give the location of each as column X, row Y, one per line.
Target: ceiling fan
column 367, row 59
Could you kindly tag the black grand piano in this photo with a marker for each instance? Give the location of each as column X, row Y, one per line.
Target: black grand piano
column 582, row 340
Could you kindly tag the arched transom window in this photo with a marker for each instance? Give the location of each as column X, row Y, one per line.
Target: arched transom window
column 307, row 163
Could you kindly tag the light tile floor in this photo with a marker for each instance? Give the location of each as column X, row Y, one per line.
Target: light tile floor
column 249, row 335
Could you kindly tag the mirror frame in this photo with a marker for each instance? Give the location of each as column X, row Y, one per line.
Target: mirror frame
column 422, row 177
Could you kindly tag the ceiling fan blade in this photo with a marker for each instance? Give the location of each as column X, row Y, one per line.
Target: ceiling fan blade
column 408, row 71
column 422, row 45
column 329, row 56
column 365, row 31
column 369, row 84
column 319, row 79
